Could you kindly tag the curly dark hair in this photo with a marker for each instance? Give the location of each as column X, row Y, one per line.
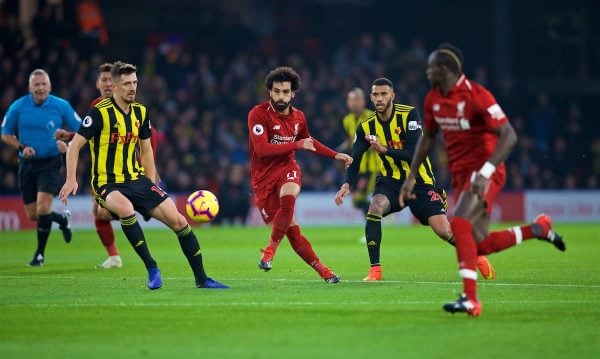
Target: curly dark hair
column 283, row 74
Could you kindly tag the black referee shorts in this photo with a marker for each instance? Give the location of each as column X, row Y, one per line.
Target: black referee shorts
column 430, row 200
column 39, row 175
column 142, row 193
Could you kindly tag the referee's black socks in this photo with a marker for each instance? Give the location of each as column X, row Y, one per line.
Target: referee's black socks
column 58, row 218
column 135, row 236
column 44, row 225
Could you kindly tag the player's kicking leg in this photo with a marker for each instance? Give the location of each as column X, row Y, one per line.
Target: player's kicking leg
column 282, row 219
column 541, row 228
column 303, row 248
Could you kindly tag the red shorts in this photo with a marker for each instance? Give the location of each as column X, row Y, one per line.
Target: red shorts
column 462, row 183
column 267, row 194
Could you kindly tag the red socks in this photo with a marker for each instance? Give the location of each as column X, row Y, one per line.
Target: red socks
column 302, row 246
column 107, row 236
column 500, row 240
column 466, row 251
column 282, row 219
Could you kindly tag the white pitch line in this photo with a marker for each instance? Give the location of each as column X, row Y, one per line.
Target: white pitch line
column 297, row 280
column 276, row 304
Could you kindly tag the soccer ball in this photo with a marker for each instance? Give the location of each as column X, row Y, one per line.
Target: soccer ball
column 202, row 206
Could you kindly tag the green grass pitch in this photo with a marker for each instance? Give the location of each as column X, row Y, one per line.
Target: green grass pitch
column 544, row 303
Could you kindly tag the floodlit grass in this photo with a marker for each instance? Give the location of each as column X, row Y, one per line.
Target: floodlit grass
column 544, row 303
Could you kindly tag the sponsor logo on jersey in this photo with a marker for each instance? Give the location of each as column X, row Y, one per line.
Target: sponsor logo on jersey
column 129, row 137
column 453, row 124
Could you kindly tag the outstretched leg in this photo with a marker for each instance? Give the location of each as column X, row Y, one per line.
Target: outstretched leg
column 541, row 228
column 303, row 248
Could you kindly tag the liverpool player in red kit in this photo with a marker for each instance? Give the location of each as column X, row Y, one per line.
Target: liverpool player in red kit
column 478, row 139
column 276, row 131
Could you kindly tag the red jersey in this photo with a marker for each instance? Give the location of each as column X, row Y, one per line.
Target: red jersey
column 467, row 117
column 274, row 139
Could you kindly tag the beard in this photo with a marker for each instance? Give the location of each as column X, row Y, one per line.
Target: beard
column 127, row 100
column 386, row 106
column 280, row 105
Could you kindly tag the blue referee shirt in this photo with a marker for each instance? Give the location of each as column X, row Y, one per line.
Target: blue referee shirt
column 34, row 125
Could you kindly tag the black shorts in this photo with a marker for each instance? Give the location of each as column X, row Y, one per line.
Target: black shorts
column 430, row 200
column 39, row 175
column 142, row 193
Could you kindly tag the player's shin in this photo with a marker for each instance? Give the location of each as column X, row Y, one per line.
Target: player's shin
column 466, row 252
column 135, row 236
column 500, row 240
column 44, row 225
column 373, row 235
column 107, row 236
column 302, row 246
column 282, row 220
column 191, row 250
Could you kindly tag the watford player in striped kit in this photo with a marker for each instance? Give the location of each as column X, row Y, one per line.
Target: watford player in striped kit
column 123, row 184
column 393, row 131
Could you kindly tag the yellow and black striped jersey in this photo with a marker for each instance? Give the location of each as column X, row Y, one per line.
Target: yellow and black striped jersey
column 400, row 134
column 113, row 138
column 370, row 162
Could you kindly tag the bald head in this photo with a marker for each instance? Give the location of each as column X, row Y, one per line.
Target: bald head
column 355, row 100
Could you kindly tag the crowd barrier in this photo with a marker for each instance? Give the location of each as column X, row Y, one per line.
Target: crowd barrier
column 314, row 209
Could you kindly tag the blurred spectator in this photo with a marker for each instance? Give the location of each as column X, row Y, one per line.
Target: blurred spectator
column 543, row 120
column 234, row 195
column 199, row 90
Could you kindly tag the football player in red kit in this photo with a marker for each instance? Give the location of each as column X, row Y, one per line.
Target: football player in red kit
column 276, row 131
column 478, row 140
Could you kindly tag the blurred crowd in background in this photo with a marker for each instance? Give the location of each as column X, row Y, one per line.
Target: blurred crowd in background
column 199, row 97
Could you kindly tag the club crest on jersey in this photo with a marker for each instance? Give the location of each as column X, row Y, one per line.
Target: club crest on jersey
column 460, row 109
column 296, row 128
column 435, row 107
column 258, row 129
column 277, row 127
